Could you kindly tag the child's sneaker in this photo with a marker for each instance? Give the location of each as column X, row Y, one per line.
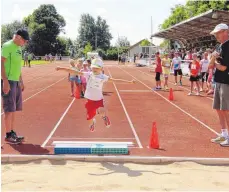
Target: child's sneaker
column 225, row 143
column 218, row 139
column 197, row 94
column 107, row 121
column 180, row 83
column 190, row 94
column 92, row 126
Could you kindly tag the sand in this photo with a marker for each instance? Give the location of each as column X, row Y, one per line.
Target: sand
column 83, row 176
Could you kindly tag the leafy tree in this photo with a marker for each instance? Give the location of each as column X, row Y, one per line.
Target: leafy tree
column 9, row 29
column 122, row 42
column 96, row 32
column 145, row 42
column 190, row 9
column 45, row 24
column 88, row 48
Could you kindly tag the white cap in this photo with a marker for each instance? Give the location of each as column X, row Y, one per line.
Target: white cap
column 96, row 63
column 219, row 27
column 85, row 62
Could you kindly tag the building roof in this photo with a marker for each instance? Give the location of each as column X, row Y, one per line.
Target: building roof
column 136, row 44
column 195, row 27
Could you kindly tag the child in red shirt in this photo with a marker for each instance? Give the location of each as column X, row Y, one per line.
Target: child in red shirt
column 194, row 68
column 158, row 71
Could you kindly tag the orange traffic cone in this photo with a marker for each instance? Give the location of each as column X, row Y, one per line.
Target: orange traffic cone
column 77, row 93
column 171, row 94
column 154, row 142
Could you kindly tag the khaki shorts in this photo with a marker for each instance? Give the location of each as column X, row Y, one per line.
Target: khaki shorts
column 221, row 97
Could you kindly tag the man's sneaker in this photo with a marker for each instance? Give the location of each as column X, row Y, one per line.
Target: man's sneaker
column 225, row 143
column 92, row 126
column 12, row 138
column 106, row 121
column 19, row 137
column 218, row 139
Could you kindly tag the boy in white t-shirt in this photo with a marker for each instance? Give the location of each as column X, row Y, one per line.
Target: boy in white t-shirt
column 204, row 70
column 176, row 65
column 94, row 91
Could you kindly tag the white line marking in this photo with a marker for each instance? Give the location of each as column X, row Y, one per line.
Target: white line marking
column 40, row 91
column 130, row 147
column 178, row 85
column 134, row 91
column 81, row 138
column 58, row 123
column 173, row 104
column 91, row 142
column 127, row 115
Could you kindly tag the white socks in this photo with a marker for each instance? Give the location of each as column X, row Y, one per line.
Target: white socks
column 225, row 133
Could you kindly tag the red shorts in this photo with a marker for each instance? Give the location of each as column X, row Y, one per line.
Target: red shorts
column 92, row 106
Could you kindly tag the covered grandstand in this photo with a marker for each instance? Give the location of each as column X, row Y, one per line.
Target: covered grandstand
column 195, row 31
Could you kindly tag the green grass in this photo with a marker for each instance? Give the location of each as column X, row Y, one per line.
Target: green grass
column 36, row 62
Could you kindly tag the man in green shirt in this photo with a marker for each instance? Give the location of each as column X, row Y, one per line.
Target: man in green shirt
column 11, row 82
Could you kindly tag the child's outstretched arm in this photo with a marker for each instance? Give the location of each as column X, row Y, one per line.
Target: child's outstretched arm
column 121, row 80
column 69, row 70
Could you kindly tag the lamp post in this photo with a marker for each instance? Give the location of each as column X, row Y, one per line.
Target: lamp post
column 118, row 48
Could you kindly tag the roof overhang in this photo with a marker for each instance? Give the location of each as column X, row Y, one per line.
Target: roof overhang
column 195, row 27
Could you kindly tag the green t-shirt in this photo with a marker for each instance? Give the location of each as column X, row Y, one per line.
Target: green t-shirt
column 13, row 55
column 30, row 56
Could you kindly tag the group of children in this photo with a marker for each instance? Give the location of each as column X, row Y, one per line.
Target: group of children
column 90, row 77
column 75, row 79
column 198, row 70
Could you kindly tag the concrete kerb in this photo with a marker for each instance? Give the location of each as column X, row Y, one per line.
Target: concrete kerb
column 8, row 159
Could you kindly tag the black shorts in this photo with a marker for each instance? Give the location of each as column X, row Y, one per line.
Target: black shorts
column 179, row 71
column 192, row 78
column 157, row 78
column 13, row 100
column 204, row 76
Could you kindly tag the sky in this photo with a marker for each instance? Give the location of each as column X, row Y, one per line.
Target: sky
column 129, row 18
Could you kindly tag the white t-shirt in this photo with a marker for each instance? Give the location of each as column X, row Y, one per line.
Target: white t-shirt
column 204, row 65
column 94, row 89
column 176, row 63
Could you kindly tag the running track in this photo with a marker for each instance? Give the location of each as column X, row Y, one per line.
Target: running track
column 185, row 125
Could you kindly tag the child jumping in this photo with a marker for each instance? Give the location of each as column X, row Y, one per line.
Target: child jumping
column 95, row 101
column 194, row 71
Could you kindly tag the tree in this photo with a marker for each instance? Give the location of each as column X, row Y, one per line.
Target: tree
column 145, row 42
column 9, row 29
column 192, row 8
column 165, row 44
column 88, row 48
column 63, row 45
column 122, row 42
column 96, row 32
column 45, row 24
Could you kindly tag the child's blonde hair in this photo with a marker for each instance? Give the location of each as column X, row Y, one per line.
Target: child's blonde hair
column 79, row 61
column 71, row 61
